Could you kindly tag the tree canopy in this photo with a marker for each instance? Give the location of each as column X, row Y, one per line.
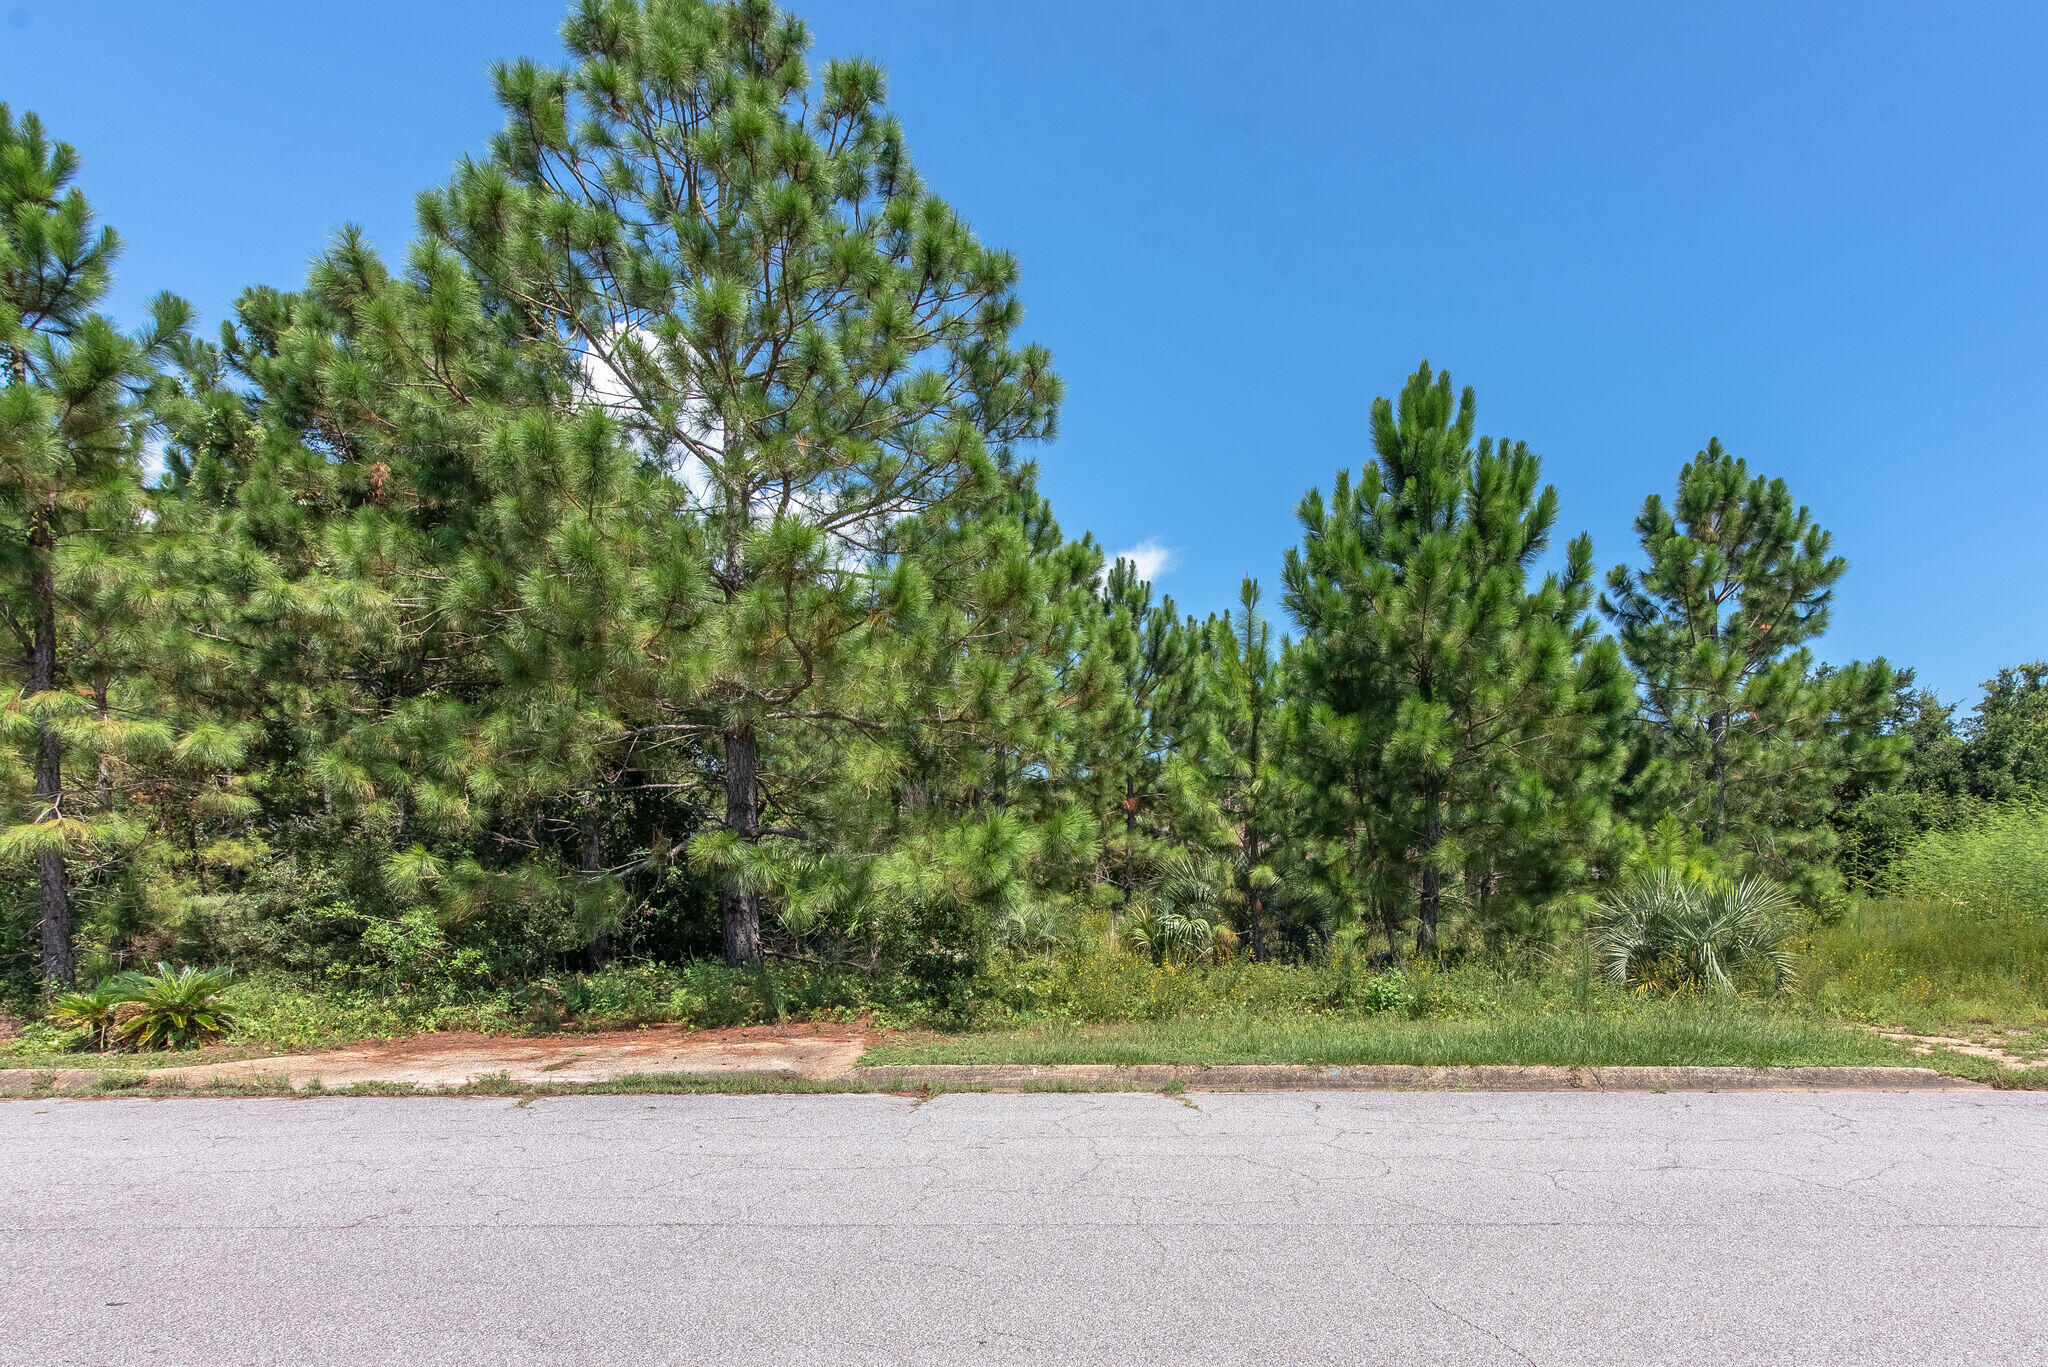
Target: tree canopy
column 648, row 562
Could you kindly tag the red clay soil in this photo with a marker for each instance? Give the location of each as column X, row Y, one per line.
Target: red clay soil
column 454, row 1058
column 598, row 1041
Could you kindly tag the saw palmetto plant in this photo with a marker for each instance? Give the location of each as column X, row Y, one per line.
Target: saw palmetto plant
column 1665, row 926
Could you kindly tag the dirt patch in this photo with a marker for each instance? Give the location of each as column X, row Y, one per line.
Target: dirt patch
column 455, row 1059
column 1994, row 1047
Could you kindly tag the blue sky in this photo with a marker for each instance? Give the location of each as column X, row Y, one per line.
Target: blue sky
column 1814, row 231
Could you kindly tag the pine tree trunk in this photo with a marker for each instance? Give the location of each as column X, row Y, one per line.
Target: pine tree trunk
column 1390, row 925
column 599, row 952
column 739, row 908
column 52, row 877
column 1718, row 729
column 1432, row 884
column 1251, row 830
column 106, row 762
column 1130, row 839
column 1258, row 903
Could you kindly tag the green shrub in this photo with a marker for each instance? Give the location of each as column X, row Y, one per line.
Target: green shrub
column 1388, row 991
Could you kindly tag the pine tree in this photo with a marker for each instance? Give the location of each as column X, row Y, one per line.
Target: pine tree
column 1143, row 773
column 411, row 558
column 751, row 274
column 1747, row 740
column 1450, row 720
column 73, row 415
column 1246, row 775
column 949, row 823
column 507, row 645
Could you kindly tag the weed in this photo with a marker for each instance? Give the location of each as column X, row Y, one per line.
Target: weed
column 1995, row 868
column 368, row 1089
column 112, row 1081
column 1387, row 991
column 1919, row 965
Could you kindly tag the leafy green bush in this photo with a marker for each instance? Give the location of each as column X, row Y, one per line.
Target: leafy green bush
column 1669, row 926
column 174, row 1009
column 1388, row 991
column 1996, row 867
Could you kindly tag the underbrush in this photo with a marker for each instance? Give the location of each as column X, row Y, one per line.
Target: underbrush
column 1995, row 869
column 293, row 1013
column 1928, row 966
column 1100, row 982
column 1914, row 965
column 1962, row 942
column 284, row 1012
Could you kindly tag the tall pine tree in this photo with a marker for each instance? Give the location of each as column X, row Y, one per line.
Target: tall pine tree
column 73, row 414
column 415, row 563
column 1246, row 774
column 751, row 274
column 1459, row 729
column 1142, row 779
column 1747, row 741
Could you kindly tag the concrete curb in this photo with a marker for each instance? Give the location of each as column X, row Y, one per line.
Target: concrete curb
column 1094, row 1077
column 1297, row 1077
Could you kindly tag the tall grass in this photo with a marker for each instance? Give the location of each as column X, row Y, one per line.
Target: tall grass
column 1097, row 980
column 1926, row 965
column 1963, row 940
column 1994, row 869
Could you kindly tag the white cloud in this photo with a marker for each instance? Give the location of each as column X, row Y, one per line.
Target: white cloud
column 1149, row 558
column 154, row 464
column 605, row 363
column 606, row 386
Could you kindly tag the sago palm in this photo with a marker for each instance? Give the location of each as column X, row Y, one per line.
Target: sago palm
column 176, row 1009
column 93, row 1009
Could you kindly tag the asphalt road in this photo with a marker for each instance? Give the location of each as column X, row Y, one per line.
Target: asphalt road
column 1290, row 1228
